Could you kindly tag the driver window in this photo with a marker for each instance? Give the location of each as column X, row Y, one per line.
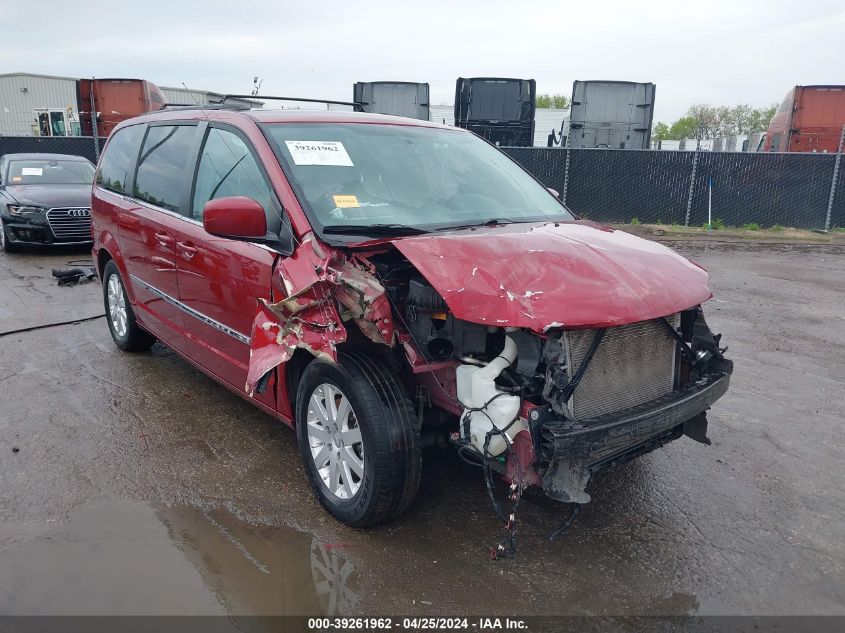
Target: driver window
column 228, row 168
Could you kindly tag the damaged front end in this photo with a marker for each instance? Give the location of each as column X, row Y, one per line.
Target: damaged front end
column 325, row 289
column 555, row 406
column 614, row 394
column 543, row 403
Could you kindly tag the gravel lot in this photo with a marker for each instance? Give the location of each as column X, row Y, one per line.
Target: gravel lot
column 134, row 484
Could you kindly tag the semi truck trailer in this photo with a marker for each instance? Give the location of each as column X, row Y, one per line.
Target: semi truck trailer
column 809, row 119
column 400, row 98
column 609, row 114
column 500, row 110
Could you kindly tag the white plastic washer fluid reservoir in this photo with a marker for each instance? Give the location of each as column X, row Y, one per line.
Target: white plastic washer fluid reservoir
column 476, row 386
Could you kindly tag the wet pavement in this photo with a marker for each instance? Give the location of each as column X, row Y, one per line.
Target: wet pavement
column 140, row 486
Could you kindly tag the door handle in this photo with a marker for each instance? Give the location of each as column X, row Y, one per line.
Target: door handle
column 164, row 239
column 187, row 248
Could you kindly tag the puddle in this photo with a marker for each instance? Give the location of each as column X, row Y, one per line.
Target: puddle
column 130, row 558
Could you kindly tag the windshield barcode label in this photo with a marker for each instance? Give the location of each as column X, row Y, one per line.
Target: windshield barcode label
column 319, row 153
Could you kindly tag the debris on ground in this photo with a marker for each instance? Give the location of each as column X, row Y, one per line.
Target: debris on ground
column 75, row 275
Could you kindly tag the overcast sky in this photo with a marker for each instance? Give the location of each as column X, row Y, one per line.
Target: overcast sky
column 717, row 52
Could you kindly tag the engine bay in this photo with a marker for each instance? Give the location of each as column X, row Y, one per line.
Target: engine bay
column 504, row 377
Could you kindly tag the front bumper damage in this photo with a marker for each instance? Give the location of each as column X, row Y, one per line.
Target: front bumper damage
column 569, row 452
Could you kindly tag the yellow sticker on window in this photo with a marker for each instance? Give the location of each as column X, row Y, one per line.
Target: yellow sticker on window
column 346, row 202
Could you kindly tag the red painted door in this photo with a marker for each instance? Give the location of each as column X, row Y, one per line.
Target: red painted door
column 221, row 280
column 148, row 226
column 148, row 245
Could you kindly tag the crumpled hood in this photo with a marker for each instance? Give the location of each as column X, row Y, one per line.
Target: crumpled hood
column 539, row 276
column 50, row 196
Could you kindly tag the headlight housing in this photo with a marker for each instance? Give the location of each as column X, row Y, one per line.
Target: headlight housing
column 24, row 210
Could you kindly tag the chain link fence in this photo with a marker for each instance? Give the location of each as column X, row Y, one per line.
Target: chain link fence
column 837, row 207
column 75, row 145
column 671, row 187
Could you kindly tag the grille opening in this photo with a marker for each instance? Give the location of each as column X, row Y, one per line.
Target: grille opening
column 72, row 223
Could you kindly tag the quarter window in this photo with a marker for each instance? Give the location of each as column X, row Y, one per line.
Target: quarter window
column 228, row 168
column 119, row 157
column 162, row 165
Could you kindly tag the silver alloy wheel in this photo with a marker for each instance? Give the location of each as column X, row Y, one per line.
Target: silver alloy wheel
column 335, row 440
column 2, row 234
column 117, row 305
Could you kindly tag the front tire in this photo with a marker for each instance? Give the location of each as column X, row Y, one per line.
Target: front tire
column 119, row 314
column 8, row 247
column 358, row 439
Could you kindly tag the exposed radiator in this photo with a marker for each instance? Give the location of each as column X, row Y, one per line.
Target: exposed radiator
column 632, row 365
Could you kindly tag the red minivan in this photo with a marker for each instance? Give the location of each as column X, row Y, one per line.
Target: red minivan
column 381, row 283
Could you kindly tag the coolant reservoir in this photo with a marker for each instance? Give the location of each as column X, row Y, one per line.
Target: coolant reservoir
column 476, row 387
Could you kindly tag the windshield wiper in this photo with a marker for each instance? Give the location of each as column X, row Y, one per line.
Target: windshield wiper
column 490, row 222
column 373, row 229
column 494, row 221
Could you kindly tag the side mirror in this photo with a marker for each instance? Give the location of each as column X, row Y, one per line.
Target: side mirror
column 553, row 192
column 236, row 217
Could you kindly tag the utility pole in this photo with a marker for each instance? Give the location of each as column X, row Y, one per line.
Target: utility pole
column 256, row 82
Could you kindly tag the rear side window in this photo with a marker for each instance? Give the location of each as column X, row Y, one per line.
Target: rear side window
column 228, row 168
column 162, row 166
column 119, row 158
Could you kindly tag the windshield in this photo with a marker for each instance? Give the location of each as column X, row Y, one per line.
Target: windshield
column 50, row 172
column 394, row 176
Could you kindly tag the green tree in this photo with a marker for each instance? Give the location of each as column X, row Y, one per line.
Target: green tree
column 660, row 131
column 742, row 118
column 685, row 127
column 760, row 118
column 561, row 102
column 708, row 119
column 557, row 101
column 715, row 121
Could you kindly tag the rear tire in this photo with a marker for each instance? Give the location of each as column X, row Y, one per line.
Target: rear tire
column 124, row 329
column 358, row 439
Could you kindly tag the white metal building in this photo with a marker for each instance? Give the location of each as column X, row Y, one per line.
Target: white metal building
column 23, row 95
column 30, row 100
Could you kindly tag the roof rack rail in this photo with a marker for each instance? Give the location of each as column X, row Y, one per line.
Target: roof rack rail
column 356, row 105
column 205, row 106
